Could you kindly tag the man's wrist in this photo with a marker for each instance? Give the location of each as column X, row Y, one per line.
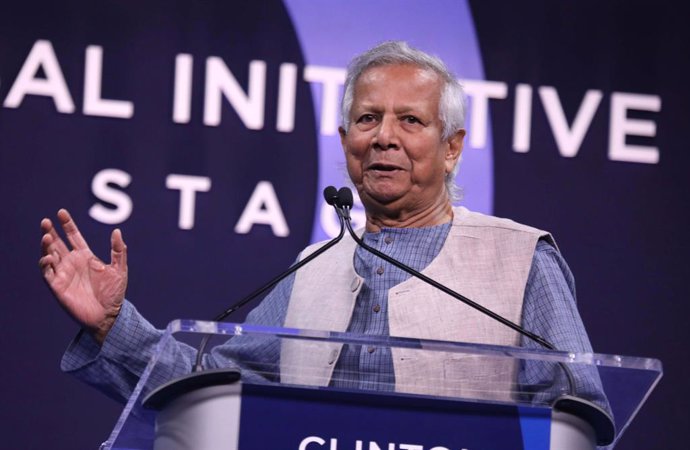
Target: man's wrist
column 100, row 333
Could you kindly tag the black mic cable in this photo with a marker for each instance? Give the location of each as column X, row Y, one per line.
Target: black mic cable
column 331, row 196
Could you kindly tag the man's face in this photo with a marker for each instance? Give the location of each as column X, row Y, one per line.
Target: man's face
column 394, row 151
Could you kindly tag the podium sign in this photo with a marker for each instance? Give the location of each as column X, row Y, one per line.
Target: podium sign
column 214, row 409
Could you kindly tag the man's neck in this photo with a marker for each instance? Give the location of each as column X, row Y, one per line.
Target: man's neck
column 436, row 214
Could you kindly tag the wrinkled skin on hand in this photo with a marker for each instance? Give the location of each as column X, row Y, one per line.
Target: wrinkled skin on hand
column 89, row 290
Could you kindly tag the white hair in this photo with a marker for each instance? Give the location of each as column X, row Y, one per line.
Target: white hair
column 451, row 104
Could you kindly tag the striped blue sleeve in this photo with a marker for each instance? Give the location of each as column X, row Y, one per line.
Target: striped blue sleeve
column 115, row 367
column 550, row 311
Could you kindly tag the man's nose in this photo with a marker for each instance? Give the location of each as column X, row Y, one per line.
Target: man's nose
column 386, row 136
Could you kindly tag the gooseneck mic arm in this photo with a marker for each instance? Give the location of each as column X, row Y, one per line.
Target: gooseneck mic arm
column 331, row 195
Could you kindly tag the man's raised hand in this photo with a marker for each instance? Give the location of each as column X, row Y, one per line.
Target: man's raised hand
column 89, row 290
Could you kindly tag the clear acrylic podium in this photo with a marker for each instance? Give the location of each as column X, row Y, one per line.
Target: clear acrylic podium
column 460, row 406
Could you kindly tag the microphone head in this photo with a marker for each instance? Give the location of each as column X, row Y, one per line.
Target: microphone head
column 345, row 197
column 331, row 195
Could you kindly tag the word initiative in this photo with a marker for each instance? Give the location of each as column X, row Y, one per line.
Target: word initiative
column 220, row 84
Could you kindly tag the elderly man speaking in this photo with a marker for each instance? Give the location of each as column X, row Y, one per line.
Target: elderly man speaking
column 402, row 134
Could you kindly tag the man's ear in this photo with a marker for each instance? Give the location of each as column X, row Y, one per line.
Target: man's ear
column 343, row 134
column 454, row 150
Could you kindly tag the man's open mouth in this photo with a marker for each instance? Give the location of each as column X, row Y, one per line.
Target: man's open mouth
column 383, row 167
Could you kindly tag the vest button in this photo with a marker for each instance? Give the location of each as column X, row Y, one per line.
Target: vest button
column 379, row 270
column 377, row 308
column 371, row 349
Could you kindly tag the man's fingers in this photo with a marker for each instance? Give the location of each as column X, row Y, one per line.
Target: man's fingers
column 118, row 252
column 46, row 225
column 47, row 266
column 46, row 242
column 55, row 240
column 73, row 235
column 46, row 261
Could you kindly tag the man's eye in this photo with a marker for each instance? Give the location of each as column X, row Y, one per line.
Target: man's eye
column 366, row 118
column 411, row 119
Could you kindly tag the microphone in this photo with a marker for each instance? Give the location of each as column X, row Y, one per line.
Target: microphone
column 344, row 202
column 599, row 418
column 331, row 196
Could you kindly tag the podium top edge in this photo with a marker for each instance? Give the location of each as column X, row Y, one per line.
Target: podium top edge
column 229, row 329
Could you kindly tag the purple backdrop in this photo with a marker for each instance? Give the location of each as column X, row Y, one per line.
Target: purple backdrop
column 126, row 113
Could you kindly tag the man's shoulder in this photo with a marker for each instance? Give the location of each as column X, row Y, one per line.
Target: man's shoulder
column 463, row 217
column 468, row 220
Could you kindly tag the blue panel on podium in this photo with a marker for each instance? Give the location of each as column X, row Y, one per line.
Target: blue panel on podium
column 311, row 419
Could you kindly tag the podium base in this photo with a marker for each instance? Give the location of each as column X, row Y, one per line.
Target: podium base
column 198, row 411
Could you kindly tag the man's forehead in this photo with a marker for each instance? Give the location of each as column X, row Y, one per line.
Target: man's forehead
column 402, row 70
column 409, row 83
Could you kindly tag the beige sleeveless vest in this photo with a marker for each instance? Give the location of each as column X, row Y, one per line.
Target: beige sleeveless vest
column 484, row 258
